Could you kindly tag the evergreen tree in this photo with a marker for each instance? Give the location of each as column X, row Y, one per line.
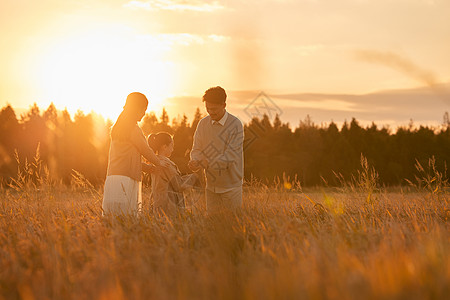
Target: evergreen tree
column 271, row 148
column 149, row 123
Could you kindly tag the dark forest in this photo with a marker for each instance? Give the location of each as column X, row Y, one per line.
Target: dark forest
column 54, row 141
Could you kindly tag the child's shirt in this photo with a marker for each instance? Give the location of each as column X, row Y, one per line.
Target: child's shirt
column 168, row 185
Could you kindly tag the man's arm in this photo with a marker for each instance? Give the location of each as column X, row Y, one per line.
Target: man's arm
column 197, row 148
column 197, row 145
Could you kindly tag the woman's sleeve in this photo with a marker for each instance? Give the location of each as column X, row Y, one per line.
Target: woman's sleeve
column 138, row 140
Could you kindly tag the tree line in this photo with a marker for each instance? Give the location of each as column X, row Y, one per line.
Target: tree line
column 314, row 153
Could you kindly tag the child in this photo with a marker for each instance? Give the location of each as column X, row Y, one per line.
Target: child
column 167, row 183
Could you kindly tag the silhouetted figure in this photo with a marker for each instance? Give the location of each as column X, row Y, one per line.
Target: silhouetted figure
column 218, row 149
column 122, row 191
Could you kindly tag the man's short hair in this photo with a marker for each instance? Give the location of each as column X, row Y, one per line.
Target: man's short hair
column 215, row 95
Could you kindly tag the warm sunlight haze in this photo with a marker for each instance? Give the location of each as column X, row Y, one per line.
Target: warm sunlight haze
column 95, row 70
column 218, row 150
column 89, row 55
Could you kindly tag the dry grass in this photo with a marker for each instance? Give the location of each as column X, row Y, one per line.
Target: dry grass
column 54, row 244
column 356, row 242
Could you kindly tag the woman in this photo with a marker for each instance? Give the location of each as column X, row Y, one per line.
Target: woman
column 122, row 192
column 167, row 183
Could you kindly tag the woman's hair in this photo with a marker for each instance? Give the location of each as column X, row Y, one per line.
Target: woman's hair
column 127, row 118
column 157, row 140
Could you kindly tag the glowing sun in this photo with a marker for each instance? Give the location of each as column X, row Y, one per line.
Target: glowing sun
column 96, row 70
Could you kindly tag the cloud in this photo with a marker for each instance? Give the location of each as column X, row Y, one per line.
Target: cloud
column 175, row 5
column 387, row 107
column 407, row 67
column 399, row 63
column 399, row 105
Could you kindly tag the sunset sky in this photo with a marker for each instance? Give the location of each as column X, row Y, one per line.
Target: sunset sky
column 90, row 54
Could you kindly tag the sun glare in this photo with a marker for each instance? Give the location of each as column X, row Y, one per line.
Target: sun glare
column 96, row 70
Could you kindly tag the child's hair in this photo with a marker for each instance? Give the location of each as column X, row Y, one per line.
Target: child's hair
column 157, row 140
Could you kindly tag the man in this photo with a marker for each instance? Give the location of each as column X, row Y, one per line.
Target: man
column 218, row 149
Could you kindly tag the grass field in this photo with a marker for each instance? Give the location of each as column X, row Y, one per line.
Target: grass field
column 315, row 244
column 355, row 242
